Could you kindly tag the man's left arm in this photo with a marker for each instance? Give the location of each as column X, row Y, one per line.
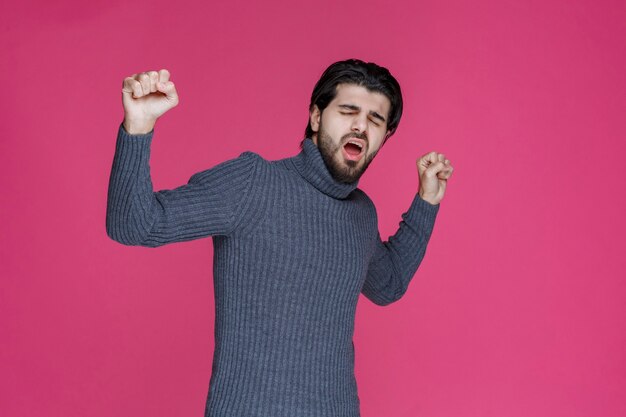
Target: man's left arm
column 396, row 260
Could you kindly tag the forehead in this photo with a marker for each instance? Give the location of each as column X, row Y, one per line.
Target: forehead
column 362, row 97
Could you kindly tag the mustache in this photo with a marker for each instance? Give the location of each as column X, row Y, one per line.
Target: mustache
column 362, row 136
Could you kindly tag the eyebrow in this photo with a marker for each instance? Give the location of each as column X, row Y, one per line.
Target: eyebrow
column 357, row 108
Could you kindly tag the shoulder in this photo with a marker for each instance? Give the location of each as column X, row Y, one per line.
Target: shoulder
column 242, row 166
column 253, row 158
column 363, row 199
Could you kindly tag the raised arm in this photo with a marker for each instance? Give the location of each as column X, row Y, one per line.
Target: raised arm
column 395, row 261
column 209, row 204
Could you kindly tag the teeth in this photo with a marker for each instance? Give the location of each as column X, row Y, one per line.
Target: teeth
column 356, row 143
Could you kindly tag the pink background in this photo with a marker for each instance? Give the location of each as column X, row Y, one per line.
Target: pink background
column 518, row 308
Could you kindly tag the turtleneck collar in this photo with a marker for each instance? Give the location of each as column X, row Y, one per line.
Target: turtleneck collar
column 311, row 167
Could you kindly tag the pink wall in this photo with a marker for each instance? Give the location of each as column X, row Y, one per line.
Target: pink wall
column 518, row 308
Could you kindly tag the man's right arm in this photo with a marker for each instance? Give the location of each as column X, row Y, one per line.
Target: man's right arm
column 209, row 204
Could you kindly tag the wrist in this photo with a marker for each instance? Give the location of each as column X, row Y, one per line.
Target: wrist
column 429, row 199
column 138, row 127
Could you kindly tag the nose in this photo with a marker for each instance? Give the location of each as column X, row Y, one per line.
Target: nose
column 359, row 124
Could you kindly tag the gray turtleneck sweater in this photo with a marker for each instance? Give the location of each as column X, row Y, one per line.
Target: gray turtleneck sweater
column 293, row 249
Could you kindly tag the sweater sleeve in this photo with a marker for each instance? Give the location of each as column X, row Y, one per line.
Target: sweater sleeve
column 209, row 204
column 395, row 261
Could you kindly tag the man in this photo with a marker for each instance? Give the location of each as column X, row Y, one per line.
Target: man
column 295, row 241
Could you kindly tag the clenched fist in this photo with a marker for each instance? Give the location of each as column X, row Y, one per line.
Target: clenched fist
column 146, row 96
column 434, row 170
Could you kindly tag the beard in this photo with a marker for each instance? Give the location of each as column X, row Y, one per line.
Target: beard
column 341, row 169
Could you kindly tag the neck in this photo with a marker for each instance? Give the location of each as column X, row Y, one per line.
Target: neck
column 310, row 165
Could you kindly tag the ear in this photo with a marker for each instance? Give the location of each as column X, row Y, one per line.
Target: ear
column 314, row 118
column 387, row 135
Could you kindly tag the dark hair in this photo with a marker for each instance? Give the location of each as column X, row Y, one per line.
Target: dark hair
column 354, row 71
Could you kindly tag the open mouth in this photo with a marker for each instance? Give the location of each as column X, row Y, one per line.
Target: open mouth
column 353, row 149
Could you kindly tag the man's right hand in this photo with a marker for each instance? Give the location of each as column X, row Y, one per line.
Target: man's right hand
column 146, row 96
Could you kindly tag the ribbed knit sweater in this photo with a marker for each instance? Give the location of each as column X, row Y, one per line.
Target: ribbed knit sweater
column 293, row 249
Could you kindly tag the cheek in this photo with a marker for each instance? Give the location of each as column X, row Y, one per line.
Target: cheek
column 336, row 125
column 375, row 145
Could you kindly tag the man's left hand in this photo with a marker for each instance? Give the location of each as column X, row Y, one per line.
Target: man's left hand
column 434, row 171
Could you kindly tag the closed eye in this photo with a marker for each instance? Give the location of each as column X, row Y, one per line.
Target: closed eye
column 375, row 121
column 377, row 118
